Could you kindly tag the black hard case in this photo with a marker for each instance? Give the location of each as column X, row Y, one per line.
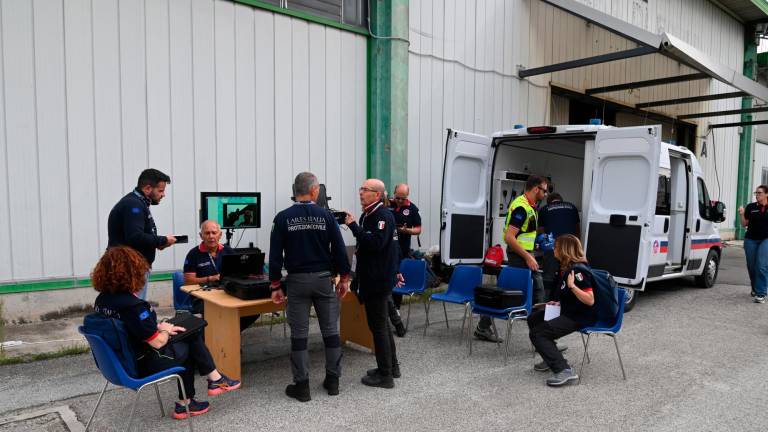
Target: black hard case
column 492, row 297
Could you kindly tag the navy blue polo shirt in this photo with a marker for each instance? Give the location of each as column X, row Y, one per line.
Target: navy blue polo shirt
column 559, row 217
column 406, row 215
column 201, row 263
column 137, row 315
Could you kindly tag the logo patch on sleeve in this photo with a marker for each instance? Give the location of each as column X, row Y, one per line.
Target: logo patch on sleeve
column 144, row 315
column 519, row 216
column 135, row 210
column 382, row 224
column 579, row 277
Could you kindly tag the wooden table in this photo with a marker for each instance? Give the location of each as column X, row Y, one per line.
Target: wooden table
column 223, row 312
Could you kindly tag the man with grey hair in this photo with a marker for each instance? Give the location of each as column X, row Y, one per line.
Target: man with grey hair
column 306, row 240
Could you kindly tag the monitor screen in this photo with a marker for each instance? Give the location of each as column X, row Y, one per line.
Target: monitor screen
column 231, row 209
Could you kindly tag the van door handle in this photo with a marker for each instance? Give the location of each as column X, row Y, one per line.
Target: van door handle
column 666, row 225
column 698, row 225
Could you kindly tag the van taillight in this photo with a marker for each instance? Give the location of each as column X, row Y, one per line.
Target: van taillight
column 541, row 130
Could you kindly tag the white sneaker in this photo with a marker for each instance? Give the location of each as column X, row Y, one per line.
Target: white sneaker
column 759, row 299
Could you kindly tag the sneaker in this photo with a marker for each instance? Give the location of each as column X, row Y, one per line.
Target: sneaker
column 378, row 381
column 487, row 335
column 541, row 366
column 195, row 408
column 299, row 391
column 759, row 299
column 375, row 371
column 400, row 329
column 331, row 384
column 753, row 293
column 223, row 385
column 562, row 377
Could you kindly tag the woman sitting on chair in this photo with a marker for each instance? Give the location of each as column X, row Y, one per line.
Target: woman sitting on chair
column 118, row 277
column 573, row 288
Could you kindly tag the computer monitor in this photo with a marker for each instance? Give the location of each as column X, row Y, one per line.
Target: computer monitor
column 231, row 209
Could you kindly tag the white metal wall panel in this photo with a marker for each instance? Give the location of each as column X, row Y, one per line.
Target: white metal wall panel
column 760, row 163
column 464, row 56
column 221, row 96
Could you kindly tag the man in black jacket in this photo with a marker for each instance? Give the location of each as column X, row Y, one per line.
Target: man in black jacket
column 378, row 258
column 131, row 224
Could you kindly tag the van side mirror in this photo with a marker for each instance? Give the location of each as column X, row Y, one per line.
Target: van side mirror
column 716, row 211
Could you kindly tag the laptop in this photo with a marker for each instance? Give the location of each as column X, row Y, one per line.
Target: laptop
column 190, row 322
column 242, row 265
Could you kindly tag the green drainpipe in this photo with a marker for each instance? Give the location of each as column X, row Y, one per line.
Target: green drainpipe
column 744, row 183
column 388, row 92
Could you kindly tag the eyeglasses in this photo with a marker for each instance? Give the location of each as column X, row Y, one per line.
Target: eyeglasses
column 759, row 192
column 543, row 189
column 365, row 189
column 400, row 198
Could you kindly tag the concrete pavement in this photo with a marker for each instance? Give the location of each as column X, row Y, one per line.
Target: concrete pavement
column 694, row 360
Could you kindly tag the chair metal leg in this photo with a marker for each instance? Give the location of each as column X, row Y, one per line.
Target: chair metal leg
column 463, row 321
column 180, row 383
column 469, row 331
column 586, row 347
column 133, row 410
column 496, row 332
column 621, row 363
column 426, row 311
column 509, row 331
column 426, row 307
column 408, row 318
column 445, row 312
column 285, row 323
column 98, row 402
column 159, row 401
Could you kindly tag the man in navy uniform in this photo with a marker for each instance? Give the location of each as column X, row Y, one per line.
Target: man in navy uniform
column 307, row 241
column 131, row 224
column 377, row 272
column 557, row 217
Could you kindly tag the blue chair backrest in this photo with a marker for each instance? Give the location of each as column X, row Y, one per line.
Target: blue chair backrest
column 181, row 300
column 620, row 315
column 107, row 361
column 415, row 274
column 464, row 280
column 519, row 279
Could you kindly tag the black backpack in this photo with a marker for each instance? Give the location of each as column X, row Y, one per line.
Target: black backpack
column 606, row 294
column 114, row 334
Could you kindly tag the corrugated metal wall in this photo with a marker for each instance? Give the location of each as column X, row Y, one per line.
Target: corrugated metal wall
column 464, row 58
column 220, row 96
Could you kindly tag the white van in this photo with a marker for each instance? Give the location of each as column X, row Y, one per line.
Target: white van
column 644, row 207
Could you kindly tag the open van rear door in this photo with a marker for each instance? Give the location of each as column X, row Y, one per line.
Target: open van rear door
column 464, row 203
column 623, row 200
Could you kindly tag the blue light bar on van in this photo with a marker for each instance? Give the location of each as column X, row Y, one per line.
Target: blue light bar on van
column 519, row 126
column 595, row 121
column 541, row 130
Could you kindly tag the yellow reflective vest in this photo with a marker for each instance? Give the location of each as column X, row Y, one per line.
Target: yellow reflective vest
column 526, row 238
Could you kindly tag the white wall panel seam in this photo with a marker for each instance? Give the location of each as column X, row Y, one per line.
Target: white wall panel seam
column 95, row 142
column 37, row 135
column 5, row 138
column 170, row 122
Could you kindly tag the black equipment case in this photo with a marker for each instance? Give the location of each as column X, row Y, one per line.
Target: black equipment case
column 247, row 289
column 492, row 297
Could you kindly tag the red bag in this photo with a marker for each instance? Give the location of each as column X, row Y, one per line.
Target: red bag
column 494, row 257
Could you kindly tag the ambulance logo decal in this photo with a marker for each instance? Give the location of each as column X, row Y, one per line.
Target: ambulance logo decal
column 406, row 212
column 381, row 225
column 655, row 246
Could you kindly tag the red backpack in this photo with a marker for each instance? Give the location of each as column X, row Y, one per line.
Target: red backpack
column 494, row 257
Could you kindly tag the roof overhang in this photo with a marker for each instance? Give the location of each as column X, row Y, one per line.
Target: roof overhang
column 650, row 43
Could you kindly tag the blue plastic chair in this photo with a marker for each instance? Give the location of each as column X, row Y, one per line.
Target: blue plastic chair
column 415, row 275
column 510, row 278
column 608, row 329
column 461, row 290
column 114, row 373
column 181, row 300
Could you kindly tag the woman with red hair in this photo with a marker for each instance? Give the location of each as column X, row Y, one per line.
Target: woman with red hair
column 118, row 277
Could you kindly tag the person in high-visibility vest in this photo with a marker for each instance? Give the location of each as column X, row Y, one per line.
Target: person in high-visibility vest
column 520, row 237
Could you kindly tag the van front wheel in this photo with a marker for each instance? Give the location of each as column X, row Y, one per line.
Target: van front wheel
column 630, row 299
column 709, row 273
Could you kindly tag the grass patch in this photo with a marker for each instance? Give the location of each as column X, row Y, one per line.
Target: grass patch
column 28, row 358
column 427, row 293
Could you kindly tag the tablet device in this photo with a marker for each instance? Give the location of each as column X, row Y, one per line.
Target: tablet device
column 182, row 239
column 190, row 322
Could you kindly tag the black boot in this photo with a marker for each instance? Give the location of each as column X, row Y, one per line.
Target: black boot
column 395, row 319
column 375, row 371
column 378, row 381
column 299, row 391
column 331, row 383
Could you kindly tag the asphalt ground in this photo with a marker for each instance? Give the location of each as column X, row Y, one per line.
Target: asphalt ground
column 694, row 360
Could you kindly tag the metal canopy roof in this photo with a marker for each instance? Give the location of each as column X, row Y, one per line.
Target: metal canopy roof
column 745, row 10
column 651, row 43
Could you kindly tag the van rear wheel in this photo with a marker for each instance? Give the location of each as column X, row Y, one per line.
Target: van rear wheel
column 630, row 299
column 709, row 273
